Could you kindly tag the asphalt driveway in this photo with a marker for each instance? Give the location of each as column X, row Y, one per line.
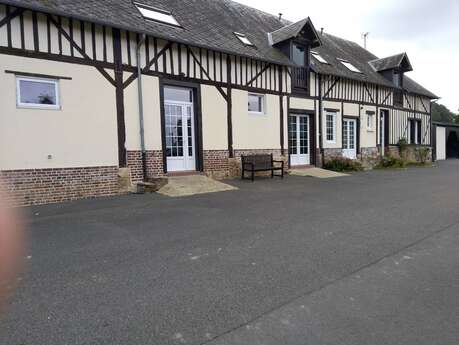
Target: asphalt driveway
column 368, row 259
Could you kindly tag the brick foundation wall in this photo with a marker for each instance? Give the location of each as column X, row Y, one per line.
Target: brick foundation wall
column 45, row 186
column 216, row 163
column 154, row 161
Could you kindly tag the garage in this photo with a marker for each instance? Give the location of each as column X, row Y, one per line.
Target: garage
column 446, row 141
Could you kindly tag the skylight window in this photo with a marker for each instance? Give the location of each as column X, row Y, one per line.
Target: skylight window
column 319, row 57
column 349, row 66
column 243, row 38
column 156, row 15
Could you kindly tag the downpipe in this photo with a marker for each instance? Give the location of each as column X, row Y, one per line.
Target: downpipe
column 141, row 114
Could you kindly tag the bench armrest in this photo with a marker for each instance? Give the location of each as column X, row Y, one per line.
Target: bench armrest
column 280, row 162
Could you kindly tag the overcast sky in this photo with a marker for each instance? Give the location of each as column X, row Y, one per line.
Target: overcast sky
column 428, row 30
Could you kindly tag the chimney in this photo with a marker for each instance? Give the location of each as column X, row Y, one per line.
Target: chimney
column 321, row 31
column 280, row 16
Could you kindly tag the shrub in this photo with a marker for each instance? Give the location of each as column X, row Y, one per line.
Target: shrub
column 390, row 162
column 422, row 154
column 341, row 164
column 403, row 147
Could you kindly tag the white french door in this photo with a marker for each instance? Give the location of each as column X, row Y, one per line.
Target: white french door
column 299, row 140
column 350, row 138
column 180, row 141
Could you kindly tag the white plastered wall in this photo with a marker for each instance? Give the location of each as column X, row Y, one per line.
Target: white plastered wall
column 82, row 134
column 214, row 119
column 441, row 143
column 151, row 113
column 368, row 136
column 255, row 132
column 302, row 103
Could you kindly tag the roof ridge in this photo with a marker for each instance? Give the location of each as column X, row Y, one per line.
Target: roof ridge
column 254, row 9
column 287, row 26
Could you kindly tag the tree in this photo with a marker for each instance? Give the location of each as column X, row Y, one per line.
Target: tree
column 440, row 113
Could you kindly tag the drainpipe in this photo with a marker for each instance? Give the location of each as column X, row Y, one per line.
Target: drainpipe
column 321, row 111
column 141, row 119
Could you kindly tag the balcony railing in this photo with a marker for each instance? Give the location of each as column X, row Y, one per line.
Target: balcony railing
column 300, row 78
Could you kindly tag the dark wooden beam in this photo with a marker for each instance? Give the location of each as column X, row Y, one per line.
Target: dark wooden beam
column 152, row 62
column 118, row 60
column 331, row 87
column 220, row 89
column 263, row 70
column 11, row 16
column 229, row 101
column 78, row 48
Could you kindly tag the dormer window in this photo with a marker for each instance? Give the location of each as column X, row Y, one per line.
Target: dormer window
column 398, row 79
column 319, row 57
column 349, row 66
column 299, row 55
column 157, row 15
column 243, row 38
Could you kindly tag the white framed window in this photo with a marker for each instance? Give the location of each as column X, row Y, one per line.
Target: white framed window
column 37, row 93
column 256, row 104
column 415, row 131
column 156, row 14
column 319, row 57
column 330, row 126
column 243, row 38
column 349, row 66
column 370, row 121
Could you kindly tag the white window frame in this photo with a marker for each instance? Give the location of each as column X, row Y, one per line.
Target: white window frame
column 244, row 39
column 350, row 66
column 55, row 82
column 156, row 14
column 319, row 57
column 263, row 104
column 370, row 122
column 334, row 115
column 416, row 132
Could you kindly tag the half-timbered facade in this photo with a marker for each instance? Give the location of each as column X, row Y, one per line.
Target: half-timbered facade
column 89, row 91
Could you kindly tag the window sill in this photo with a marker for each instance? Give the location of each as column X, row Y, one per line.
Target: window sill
column 256, row 113
column 370, row 130
column 38, row 107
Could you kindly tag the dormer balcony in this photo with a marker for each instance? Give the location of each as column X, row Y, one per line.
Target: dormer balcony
column 300, row 79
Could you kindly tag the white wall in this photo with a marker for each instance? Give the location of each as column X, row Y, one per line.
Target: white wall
column 368, row 136
column 214, row 119
column 82, row 134
column 151, row 112
column 441, row 143
column 255, row 131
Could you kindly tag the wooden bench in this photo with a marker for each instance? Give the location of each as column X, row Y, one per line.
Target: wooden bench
column 261, row 163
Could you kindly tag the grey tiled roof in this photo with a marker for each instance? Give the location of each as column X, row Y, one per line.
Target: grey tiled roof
column 390, row 62
column 291, row 31
column 211, row 24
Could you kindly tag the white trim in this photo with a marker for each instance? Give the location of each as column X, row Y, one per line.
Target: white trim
column 156, row 14
column 334, row 115
column 371, row 127
column 349, row 65
column 244, row 39
column 263, row 104
column 319, row 57
column 55, row 82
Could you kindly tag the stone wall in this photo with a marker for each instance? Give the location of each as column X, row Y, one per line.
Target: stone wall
column 410, row 153
column 45, row 186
